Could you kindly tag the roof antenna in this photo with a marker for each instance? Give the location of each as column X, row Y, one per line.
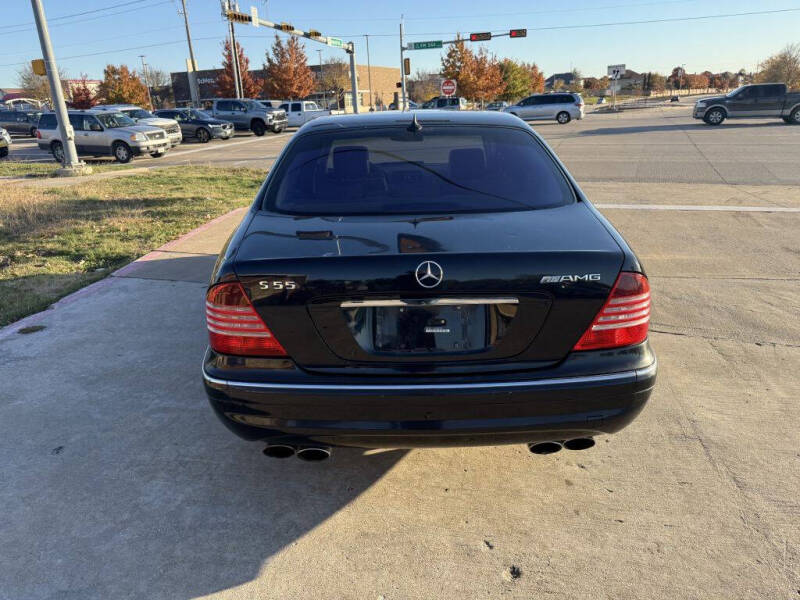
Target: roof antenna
column 415, row 125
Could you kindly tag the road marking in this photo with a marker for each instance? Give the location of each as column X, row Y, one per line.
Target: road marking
column 227, row 145
column 701, row 207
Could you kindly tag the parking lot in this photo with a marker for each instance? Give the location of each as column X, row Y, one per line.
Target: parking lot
column 119, row 482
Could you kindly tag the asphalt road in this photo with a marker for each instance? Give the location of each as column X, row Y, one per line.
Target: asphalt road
column 118, row 482
column 661, row 145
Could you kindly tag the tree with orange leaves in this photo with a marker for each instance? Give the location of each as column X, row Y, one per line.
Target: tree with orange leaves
column 120, row 85
column 224, row 85
column 287, row 72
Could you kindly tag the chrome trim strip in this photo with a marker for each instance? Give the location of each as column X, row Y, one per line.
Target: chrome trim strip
column 426, row 302
column 629, row 376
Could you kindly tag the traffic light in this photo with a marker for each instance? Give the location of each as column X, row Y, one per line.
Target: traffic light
column 314, row 33
column 407, row 66
column 286, row 27
column 517, row 33
column 480, row 37
column 238, row 17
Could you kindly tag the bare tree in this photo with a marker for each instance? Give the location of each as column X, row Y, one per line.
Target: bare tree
column 158, row 77
column 335, row 77
column 783, row 67
column 36, row 86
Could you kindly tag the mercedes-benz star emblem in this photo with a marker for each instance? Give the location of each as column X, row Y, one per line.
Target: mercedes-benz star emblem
column 429, row 274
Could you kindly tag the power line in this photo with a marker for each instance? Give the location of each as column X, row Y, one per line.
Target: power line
column 595, row 25
column 24, row 29
column 86, row 12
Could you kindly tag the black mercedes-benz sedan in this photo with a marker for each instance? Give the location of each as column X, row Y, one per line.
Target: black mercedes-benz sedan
column 425, row 279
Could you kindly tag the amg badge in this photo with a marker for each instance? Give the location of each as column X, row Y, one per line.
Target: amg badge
column 568, row 278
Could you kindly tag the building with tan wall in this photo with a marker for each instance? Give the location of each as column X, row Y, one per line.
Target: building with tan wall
column 384, row 86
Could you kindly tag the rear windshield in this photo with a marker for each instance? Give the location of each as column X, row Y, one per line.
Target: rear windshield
column 394, row 171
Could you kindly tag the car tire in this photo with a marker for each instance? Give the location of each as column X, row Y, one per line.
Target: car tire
column 3, row 151
column 258, row 128
column 563, row 117
column 203, row 135
column 121, row 152
column 794, row 118
column 57, row 151
column 715, row 116
column 33, row 132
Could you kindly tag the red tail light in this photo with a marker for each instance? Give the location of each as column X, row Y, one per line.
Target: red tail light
column 38, row 134
column 624, row 318
column 234, row 326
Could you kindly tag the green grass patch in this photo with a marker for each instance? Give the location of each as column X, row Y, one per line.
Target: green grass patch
column 54, row 241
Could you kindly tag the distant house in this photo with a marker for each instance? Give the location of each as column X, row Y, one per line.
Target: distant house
column 567, row 79
column 630, row 81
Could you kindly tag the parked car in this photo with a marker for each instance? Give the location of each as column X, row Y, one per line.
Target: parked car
column 301, row 112
column 5, row 142
column 561, row 107
column 758, row 100
column 145, row 117
column 248, row 115
column 422, row 280
column 103, row 133
column 198, row 124
column 498, row 105
column 447, row 103
column 18, row 121
column 411, row 105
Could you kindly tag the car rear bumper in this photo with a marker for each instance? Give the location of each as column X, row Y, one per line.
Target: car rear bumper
column 407, row 415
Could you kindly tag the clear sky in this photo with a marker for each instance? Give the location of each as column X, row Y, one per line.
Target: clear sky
column 561, row 35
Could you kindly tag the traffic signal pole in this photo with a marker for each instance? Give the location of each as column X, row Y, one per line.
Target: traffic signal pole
column 313, row 35
column 191, row 73
column 71, row 164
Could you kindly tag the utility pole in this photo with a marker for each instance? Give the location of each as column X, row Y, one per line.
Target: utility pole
column 146, row 81
column 191, row 73
column 353, row 76
column 321, row 81
column 369, row 76
column 71, row 164
column 402, row 67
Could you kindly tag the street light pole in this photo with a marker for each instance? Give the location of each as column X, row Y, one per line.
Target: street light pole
column 146, row 81
column 353, row 76
column 71, row 164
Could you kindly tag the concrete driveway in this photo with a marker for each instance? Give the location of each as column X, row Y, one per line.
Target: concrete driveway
column 117, row 481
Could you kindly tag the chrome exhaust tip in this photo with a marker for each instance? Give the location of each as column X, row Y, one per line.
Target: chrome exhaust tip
column 579, row 444
column 314, row 453
column 279, row 451
column 544, row 447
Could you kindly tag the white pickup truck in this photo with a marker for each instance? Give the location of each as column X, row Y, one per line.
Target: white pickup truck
column 301, row 112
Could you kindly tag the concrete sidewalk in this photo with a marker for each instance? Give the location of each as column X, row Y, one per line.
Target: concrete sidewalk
column 118, row 481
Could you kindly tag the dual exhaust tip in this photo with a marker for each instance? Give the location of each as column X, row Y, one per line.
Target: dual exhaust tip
column 306, row 453
column 554, row 446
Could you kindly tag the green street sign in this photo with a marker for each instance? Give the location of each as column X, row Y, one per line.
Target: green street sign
column 335, row 42
column 425, row 45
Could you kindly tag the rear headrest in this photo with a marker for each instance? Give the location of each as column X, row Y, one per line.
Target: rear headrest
column 350, row 162
column 467, row 163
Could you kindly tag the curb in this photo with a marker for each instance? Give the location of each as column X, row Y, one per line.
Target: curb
column 12, row 328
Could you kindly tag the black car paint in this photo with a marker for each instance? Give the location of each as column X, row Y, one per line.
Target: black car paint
column 354, row 400
column 189, row 127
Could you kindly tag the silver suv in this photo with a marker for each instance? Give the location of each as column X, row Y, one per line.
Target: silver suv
column 560, row 106
column 145, row 117
column 103, row 133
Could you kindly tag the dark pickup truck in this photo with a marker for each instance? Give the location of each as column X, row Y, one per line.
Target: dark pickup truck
column 759, row 100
